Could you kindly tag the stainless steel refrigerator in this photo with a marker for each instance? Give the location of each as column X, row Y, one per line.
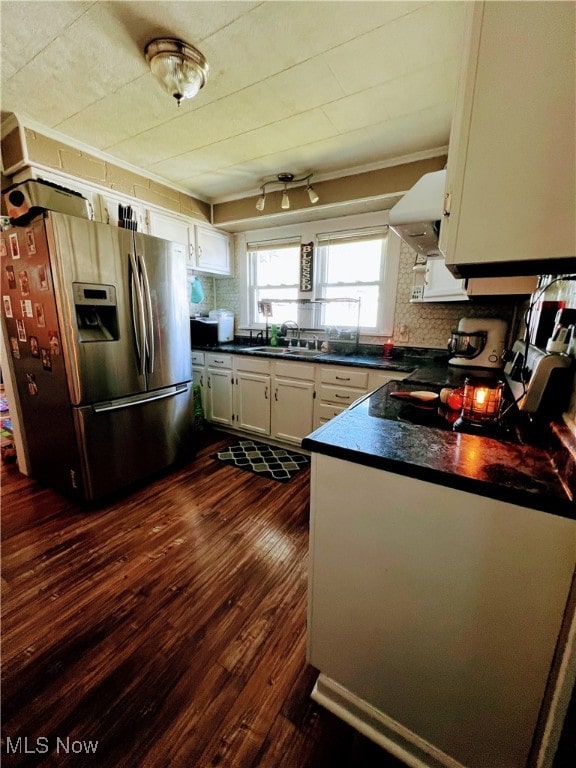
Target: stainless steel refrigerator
column 97, row 329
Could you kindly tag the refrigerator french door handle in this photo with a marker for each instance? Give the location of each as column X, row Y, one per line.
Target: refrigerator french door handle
column 127, row 402
column 149, row 316
column 138, row 319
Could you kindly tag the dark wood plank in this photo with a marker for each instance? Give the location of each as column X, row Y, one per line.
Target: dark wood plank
column 168, row 625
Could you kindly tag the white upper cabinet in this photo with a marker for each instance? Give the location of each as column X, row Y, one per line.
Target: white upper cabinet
column 207, row 249
column 213, row 250
column 110, row 210
column 510, row 178
column 439, row 284
column 172, row 228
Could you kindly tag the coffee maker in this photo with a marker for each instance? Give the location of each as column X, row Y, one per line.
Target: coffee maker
column 478, row 342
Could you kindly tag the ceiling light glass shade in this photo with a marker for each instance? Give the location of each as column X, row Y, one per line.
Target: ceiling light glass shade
column 261, row 202
column 285, row 201
column 180, row 68
column 312, row 195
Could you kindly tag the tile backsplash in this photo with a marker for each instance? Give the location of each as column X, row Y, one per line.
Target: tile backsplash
column 427, row 324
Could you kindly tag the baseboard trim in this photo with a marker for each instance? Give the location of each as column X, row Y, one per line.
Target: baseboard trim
column 379, row 728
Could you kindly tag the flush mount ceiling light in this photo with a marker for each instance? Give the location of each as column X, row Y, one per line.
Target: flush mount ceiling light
column 285, row 180
column 179, row 67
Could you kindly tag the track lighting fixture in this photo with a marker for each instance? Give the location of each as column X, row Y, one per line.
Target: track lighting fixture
column 286, row 179
column 179, row 67
column 312, row 194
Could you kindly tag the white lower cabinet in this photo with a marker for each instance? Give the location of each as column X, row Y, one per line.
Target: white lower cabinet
column 377, row 379
column 283, row 399
column 293, row 401
column 219, row 390
column 337, row 388
column 252, row 395
column 199, row 375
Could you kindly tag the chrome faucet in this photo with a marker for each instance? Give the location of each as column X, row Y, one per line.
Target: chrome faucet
column 291, row 325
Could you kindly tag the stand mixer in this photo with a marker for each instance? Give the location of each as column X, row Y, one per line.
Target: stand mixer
column 479, row 342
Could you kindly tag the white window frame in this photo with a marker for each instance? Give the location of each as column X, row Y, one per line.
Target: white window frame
column 385, row 318
column 316, row 231
column 254, row 247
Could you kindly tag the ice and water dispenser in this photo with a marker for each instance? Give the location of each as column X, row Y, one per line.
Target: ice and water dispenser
column 96, row 312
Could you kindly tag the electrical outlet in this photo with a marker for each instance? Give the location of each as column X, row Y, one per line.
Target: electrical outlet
column 417, row 293
column 403, row 333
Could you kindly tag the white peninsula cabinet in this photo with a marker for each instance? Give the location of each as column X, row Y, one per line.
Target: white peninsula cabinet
column 510, row 180
column 434, row 613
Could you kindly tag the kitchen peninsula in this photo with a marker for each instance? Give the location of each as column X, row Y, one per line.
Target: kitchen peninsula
column 440, row 570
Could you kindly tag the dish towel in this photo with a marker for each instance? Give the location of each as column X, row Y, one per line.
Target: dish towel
column 196, row 291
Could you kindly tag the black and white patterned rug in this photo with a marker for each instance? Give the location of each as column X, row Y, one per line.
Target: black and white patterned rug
column 265, row 460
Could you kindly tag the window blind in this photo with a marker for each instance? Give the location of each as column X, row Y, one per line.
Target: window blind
column 351, row 236
column 273, row 245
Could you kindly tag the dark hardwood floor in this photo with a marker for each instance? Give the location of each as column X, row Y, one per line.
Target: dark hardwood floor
column 169, row 627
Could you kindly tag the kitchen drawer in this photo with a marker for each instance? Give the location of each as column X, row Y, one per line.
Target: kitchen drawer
column 252, row 364
column 197, row 358
column 347, row 377
column 293, row 370
column 377, row 379
column 343, row 396
column 219, row 361
column 326, row 411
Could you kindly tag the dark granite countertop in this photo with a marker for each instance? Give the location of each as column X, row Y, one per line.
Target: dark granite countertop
column 518, row 472
column 408, row 361
column 502, row 468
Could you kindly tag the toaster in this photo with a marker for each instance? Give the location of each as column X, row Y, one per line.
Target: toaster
column 215, row 329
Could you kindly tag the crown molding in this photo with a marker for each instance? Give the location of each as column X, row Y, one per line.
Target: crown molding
column 25, row 122
column 352, row 171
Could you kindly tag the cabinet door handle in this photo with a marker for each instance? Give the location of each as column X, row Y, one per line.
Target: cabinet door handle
column 201, row 380
column 342, row 378
column 343, row 397
column 447, row 203
column 276, row 394
column 266, row 393
column 209, row 384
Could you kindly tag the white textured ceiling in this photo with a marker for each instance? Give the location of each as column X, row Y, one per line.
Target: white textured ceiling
column 294, row 86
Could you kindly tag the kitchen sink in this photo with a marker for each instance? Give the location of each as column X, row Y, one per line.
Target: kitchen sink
column 284, row 351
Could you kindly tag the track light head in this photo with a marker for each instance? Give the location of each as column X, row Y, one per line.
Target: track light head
column 312, row 195
column 286, row 179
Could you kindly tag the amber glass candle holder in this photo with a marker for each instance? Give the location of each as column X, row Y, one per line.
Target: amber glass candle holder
column 482, row 403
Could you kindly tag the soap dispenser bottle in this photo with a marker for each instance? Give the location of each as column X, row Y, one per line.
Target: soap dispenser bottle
column 274, row 336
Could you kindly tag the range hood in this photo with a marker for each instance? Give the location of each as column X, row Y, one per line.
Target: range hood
column 417, row 216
